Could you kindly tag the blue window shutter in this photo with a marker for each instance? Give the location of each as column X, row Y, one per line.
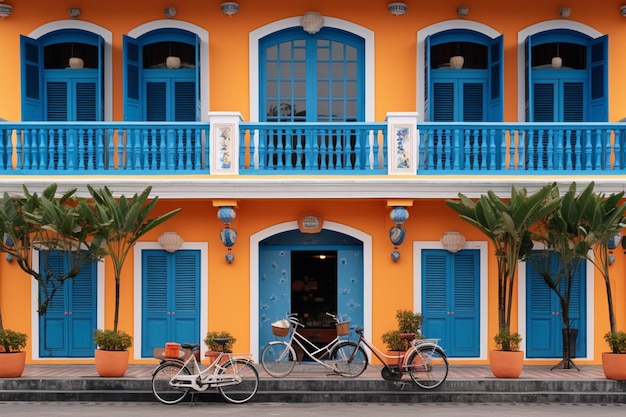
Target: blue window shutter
column 82, row 321
column 185, row 269
column 86, row 102
column 573, row 102
column 198, row 85
column 156, row 101
column 100, row 91
column 434, row 288
column 530, row 110
column 427, row 106
column 473, row 99
column 598, row 79
column 543, row 102
column 185, row 104
column 154, row 329
column 132, row 79
column 443, row 101
column 495, row 112
column 465, row 303
column 56, row 101
column 31, row 61
column 53, row 327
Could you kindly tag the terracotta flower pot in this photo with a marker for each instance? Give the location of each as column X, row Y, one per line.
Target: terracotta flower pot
column 506, row 364
column 12, row 364
column 614, row 365
column 111, row 363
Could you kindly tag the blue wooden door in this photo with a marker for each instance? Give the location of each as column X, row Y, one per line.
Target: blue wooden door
column 66, row 330
column 275, row 285
column 450, row 300
column 171, row 298
column 544, row 321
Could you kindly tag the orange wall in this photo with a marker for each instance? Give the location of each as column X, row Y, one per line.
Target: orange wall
column 395, row 41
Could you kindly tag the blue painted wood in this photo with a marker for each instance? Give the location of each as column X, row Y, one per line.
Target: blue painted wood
column 450, row 300
column 171, row 298
column 67, row 327
column 544, row 321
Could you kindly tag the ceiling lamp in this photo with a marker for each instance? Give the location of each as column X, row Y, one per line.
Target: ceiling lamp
column 5, row 9
column 229, row 8
column 397, row 9
column 452, row 241
column 312, row 22
column 170, row 241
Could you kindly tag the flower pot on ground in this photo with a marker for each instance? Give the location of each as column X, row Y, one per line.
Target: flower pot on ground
column 12, row 359
column 214, row 347
column 614, row 362
column 111, row 357
column 506, row 361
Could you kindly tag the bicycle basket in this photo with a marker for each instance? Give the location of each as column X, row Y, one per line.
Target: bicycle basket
column 280, row 328
column 343, row 328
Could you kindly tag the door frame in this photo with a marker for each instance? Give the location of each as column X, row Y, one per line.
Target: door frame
column 34, row 297
column 483, row 292
column 521, row 307
column 203, row 247
column 256, row 238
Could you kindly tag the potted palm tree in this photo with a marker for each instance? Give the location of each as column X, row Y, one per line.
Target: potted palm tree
column 507, row 224
column 120, row 223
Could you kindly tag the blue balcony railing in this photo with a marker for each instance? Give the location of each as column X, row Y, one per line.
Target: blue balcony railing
column 522, row 148
column 313, row 148
column 157, row 148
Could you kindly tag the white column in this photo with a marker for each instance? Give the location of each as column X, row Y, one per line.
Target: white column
column 224, row 142
column 402, row 139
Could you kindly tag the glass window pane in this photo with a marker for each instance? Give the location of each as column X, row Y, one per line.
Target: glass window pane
column 351, row 70
column 299, row 108
column 271, row 69
column 299, row 89
column 299, row 54
column 285, row 70
column 351, row 89
column 272, row 89
column 351, row 53
column 271, row 52
column 338, row 70
column 323, row 89
column 338, row 53
column 323, row 54
column 285, row 51
column 323, row 111
column 322, row 70
column 285, row 89
column 300, row 69
column 338, row 89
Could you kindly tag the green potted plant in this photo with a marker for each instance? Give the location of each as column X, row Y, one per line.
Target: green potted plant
column 12, row 357
column 408, row 323
column 507, row 223
column 214, row 347
column 121, row 222
column 110, row 340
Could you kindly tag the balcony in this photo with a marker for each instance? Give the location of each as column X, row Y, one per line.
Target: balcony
column 303, row 149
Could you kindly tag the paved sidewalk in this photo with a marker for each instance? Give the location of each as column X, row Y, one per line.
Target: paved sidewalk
column 460, row 372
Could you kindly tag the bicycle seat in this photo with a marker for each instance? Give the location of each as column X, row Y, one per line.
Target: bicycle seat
column 221, row 340
column 358, row 329
column 407, row 336
column 192, row 346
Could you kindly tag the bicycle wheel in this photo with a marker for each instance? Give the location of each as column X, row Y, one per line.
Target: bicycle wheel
column 348, row 362
column 245, row 390
column 428, row 366
column 278, row 359
column 161, row 387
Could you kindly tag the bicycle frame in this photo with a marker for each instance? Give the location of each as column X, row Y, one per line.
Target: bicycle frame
column 401, row 359
column 326, row 349
column 209, row 377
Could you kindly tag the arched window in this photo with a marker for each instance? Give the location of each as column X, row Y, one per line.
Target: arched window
column 463, row 77
column 566, row 77
column 62, row 76
column 161, row 76
column 315, row 78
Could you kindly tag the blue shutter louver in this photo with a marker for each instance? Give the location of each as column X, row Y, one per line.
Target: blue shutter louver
column 473, row 102
column 443, row 102
column 573, row 102
column 543, row 102
column 185, row 101
column 156, row 101
column 86, row 106
column 132, row 79
column 56, row 96
column 31, row 68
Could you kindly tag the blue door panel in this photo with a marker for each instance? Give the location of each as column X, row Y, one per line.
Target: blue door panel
column 451, row 303
column 66, row 330
column 544, row 335
column 274, row 290
column 171, row 301
column 350, row 285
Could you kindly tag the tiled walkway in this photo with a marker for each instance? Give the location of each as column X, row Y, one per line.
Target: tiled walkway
column 317, row 371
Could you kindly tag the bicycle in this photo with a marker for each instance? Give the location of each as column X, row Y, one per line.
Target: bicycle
column 279, row 357
column 236, row 379
column 424, row 361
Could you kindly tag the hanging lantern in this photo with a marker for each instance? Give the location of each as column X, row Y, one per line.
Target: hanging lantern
column 226, row 214
column 399, row 215
column 452, row 241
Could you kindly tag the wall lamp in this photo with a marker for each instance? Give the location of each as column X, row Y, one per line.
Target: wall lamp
column 170, row 241
column 229, row 8
column 452, row 241
column 312, row 22
column 397, row 9
column 462, row 11
column 170, row 12
column 228, row 236
column 74, row 12
column 565, row 12
column 5, row 9
column 622, row 10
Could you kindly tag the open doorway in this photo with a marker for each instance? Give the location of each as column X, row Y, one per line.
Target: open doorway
column 314, row 287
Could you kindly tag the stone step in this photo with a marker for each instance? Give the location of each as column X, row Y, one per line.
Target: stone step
column 329, row 390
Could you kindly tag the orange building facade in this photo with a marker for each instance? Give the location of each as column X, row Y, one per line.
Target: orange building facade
column 259, row 66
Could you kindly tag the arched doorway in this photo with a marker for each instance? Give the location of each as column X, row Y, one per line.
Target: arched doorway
column 310, row 275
